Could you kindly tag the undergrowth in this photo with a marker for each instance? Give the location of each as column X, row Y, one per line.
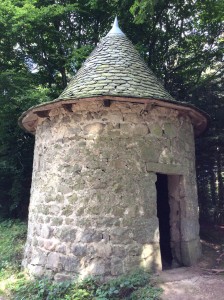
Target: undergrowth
column 135, row 286
column 17, row 285
column 12, row 239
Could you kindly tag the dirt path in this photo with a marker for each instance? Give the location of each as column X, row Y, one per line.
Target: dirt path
column 191, row 284
column 198, row 283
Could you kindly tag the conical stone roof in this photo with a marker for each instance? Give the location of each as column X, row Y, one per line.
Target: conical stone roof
column 115, row 68
column 114, row 71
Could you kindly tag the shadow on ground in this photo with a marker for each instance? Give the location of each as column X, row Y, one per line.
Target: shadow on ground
column 205, row 281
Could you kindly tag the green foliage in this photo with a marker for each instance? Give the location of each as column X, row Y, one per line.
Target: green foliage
column 134, row 286
column 47, row 289
column 124, row 286
column 142, row 10
column 39, row 289
column 44, row 42
column 83, row 290
column 12, row 238
column 79, row 55
column 17, row 93
column 182, row 39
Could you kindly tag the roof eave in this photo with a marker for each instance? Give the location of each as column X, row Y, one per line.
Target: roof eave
column 29, row 119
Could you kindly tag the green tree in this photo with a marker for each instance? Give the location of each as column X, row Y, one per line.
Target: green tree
column 183, row 43
column 44, row 42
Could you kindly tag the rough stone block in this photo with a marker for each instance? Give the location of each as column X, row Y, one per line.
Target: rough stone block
column 170, row 130
column 79, row 250
column 140, row 129
column 120, row 236
column 190, row 252
column 39, row 257
column 118, row 251
column 103, row 249
column 65, row 189
column 73, row 198
column 54, row 210
column 46, row 231
column 67, row 210
column 117, row 267
column 69, row 263
column 66, row 233
column 131, row 263
column 49, row 245
column 165, row 168
column 61, row 248
column 94, row 128
column 60, row 277
column 96, row 267
column 149, row 151
column 132, row 117
column 53, row 260
column 37, row 270
column 93, row 205
column 146, row 232
column 156, row 130
column 189, row 229
column 56, row 221
column 151, row 257
column 115, row 117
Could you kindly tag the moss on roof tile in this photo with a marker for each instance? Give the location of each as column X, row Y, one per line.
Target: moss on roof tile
column 115, row 68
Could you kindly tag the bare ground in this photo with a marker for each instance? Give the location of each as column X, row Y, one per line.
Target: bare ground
column 205, row 281
column 189, row 283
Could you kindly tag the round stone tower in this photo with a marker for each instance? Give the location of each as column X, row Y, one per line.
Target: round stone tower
column 113, row 184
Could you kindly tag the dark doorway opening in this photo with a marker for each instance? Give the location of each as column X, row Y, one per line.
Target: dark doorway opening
column 163, row 214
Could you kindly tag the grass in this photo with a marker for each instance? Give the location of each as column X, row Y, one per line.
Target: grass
column 17, row 285
column 12, row 239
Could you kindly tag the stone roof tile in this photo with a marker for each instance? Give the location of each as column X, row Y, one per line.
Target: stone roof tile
column 115, row 68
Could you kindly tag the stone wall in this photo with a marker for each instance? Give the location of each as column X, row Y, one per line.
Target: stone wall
column 93, row 195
